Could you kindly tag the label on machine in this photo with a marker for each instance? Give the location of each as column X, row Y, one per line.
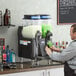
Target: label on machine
column 24, row 42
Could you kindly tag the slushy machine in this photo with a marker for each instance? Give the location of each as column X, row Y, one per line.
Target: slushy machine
column 32, row 40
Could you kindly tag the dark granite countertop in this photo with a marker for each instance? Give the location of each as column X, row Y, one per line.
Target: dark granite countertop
column 28, row 68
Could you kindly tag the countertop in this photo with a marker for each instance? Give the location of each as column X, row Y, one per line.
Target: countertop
column 26, row 69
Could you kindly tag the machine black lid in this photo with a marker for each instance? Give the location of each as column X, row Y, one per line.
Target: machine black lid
column 37, row 17
column 32, row 17
column 45, row 16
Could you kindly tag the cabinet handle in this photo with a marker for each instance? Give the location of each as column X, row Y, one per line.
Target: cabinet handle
column 43, row 73
column 48, row 73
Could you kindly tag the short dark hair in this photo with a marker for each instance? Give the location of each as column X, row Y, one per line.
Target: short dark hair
column 74, row 27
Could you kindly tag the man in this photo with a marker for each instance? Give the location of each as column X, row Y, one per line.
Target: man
column 68, row 55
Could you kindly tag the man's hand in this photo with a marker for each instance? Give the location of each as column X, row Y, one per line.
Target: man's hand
column 48, row 50
column 53, row 48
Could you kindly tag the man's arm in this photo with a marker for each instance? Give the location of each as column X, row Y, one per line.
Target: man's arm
column 51, row 49
column 63, row 56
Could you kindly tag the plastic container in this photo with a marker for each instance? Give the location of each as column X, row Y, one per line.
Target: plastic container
column 4, row 56
column 30, row 31
column 45, row 19
column 46, row 24
column 12, row 56
column 8, row 54
column 31, row 20
column 37, row 19
column 46, row 28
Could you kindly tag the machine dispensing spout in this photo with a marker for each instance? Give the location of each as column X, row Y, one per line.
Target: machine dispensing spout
column 48, row 39
column 38, row 36
column 37, row 40
column 48, row 35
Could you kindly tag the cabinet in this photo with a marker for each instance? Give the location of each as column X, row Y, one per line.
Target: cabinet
column 55, row 72
column 45, row 72
column 30, row 73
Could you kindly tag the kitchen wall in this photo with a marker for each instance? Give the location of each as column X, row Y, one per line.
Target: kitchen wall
column 20, row 7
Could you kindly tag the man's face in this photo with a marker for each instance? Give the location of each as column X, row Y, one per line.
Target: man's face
column 73, row 35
